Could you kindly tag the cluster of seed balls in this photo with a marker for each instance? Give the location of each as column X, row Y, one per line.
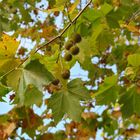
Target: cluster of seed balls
column 71, row 47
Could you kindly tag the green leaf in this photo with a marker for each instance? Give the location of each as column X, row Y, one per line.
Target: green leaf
column 108, row 91
column 67, row 101
column 112, row 19
column 6, row 64
column 130, row 102
column 63, row 102
column 5, row 24
column 107, row 97
column 106, row 8
column 97, row 31
column 92, row 14
column 36, row 73
column 104, row 39
column 134, row 60
column 111, row 127
column 24, row 13
column 33, row 73
column 126, row 2
column 32, row 96
column 57, row 105
column 76, row 88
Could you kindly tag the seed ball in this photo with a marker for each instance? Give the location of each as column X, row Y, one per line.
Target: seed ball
column 65, row 74
column 76, row 38
column 68, row 45
column 68, row 57
column 74, row 50
column 55, row 82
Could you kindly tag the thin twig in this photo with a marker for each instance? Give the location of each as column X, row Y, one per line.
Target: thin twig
column 52, row 40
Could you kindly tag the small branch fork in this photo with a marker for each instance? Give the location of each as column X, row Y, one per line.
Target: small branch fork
column 52, row 40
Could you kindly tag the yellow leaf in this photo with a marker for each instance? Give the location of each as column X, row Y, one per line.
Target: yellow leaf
column 8, row 46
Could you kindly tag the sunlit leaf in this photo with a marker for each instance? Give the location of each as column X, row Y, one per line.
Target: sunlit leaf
column 8, row 46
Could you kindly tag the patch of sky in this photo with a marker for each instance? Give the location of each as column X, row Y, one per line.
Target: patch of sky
column 95, row 60
column 59, row 21
column 99, row 134
column 22, row 135
column 6, row 106
column 77, row 72
column 26, row 43
column 59, row 126
column 113, row 68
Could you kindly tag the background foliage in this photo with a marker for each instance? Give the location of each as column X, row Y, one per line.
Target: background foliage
column 40, row 74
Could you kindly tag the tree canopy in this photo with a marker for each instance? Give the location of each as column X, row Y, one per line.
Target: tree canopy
column 41, row 45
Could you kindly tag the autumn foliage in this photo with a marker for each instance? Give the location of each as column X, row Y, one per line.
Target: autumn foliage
column 71, row 69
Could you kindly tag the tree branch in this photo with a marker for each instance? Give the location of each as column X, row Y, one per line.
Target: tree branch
column 52, row 40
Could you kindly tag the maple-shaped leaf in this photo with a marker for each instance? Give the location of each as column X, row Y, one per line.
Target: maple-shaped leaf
column 108, row 91
column 34, row 74
column 68, row 101
column 130, row 102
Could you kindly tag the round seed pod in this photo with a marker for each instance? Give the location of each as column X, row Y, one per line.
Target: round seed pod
column 74, row 50
column 76, row 38
column 65, row 74
column 55, row 82
column 68, row 57
column 68, row 45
